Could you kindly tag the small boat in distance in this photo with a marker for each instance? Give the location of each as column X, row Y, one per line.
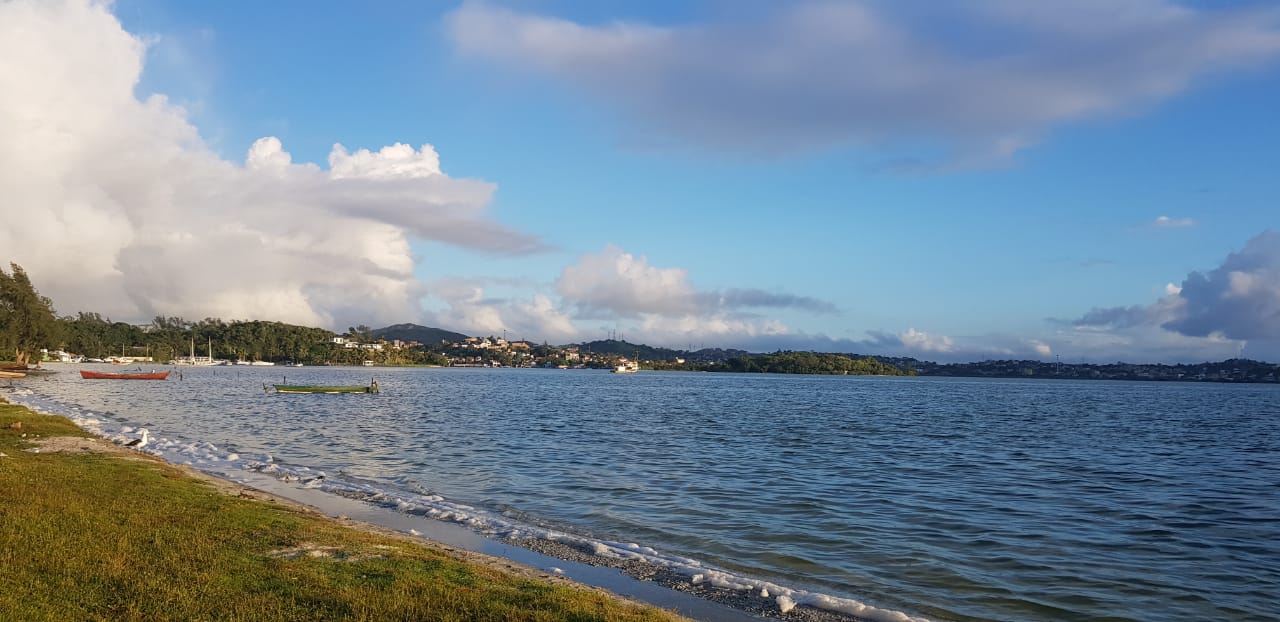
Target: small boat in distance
column 141, row 375
column 629, row 367
column 372, row 387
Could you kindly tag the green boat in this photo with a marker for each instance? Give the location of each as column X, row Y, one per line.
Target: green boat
column 372, row 387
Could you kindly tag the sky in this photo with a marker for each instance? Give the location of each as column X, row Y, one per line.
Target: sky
column 1074, row 180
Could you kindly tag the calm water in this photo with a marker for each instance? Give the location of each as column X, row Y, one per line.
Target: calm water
column 955, row 499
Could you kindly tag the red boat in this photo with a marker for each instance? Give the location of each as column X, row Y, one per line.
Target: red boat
column 102, row 375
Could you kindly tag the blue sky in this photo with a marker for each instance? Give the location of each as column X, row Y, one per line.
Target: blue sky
column 980, row 179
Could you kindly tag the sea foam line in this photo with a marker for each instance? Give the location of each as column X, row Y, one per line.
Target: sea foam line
column 209, row 458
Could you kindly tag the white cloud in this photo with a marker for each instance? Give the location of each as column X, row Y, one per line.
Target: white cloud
column 117, row 205
column 397, row 161
column 1040, row 347
column 715, row 330
column 469, row 310
column 828, row 73
column 919, row 341
column 617, row 284
column 1167, row 222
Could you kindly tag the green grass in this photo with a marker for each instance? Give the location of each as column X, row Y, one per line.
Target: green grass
column 89, row 536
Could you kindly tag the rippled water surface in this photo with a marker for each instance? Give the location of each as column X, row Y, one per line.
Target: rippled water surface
column 956, row 499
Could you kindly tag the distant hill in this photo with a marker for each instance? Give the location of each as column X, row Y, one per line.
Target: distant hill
column 413, row 332
column 650, row 353
column 714, row 355
column 630, row 350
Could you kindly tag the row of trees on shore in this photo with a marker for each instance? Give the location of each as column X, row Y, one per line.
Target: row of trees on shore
column 28, row 325
column 167, row 338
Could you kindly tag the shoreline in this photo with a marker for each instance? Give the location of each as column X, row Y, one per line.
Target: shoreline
column 50, row 445
column 532, row 557
column 574, row 562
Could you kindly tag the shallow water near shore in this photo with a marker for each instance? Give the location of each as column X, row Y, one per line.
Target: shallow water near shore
column 948, row 499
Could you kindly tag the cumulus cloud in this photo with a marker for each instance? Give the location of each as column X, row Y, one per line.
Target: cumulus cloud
column 828, row 73
column 1211, row 314
column 1167, row 222
column 117, row 205
column 467, row 308
column 1239, row 299
column 617, row 284
column 924, row 342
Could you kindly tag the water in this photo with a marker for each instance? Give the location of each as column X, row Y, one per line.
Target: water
column 951, row 499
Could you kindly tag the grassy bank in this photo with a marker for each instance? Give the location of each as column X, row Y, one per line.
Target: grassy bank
column 90, row 534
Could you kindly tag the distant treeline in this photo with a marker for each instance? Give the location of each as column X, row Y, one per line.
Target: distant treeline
column 644, row 352
column 794, row 363
column 169, row 337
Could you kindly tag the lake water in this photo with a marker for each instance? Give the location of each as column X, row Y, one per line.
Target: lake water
column 948, row 499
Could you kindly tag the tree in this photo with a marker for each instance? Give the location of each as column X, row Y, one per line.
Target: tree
column 27, row 322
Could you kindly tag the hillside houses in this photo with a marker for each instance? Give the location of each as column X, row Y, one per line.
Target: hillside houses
column 378, row 346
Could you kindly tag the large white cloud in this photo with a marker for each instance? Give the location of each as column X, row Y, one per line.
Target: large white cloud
column 117, row 205
column 820, row 73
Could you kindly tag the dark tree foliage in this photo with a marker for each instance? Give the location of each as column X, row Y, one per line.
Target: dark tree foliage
column 26, row 318
column 812, row 363
column 796, row 363
column 166, row 338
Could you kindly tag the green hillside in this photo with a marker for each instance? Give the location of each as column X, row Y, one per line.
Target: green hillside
column 414, row 332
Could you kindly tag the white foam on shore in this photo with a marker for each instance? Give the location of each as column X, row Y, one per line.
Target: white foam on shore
column 208, row 458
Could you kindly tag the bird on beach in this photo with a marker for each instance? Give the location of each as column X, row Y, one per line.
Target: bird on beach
column 139, row 443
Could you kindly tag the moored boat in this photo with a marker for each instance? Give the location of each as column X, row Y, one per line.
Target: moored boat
column 142, row 375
